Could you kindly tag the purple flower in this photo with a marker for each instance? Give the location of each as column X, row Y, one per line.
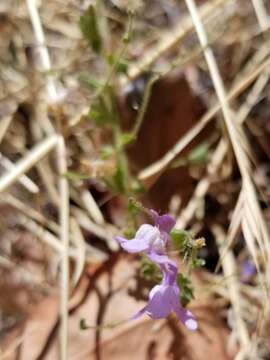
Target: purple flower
column 164, row 223
column 150, row 238
column 164, row 299
column 248, row 270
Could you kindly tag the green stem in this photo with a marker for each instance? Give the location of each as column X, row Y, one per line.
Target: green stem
column 143, row 108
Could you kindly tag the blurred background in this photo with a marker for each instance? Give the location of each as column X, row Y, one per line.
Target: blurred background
column 105, row 104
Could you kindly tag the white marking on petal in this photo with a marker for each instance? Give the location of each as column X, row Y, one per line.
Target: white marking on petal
column 191, row 324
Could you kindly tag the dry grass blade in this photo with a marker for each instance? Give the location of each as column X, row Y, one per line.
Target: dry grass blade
column 230, row 271
column 29, row 212
column 253, row 223
column 4, row 124
column 251, row 244
column 234, row 131
column 92, row 207
column 43, row 51
column 172, row 39
column 64, row 236
column 190, row 209
column 31, row 159
column 79, row 242
column 219, row 153
column 24, row 180
column 261, row 13
column 40, row 232
column 103, row 232
column 160, row 165
column 235, row 225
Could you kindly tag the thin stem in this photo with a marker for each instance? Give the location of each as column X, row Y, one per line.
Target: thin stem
column 64, row 236
column 143, row 108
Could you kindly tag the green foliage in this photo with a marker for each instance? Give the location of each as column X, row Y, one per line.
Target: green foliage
column 186, row 289
column 126, row 138
column 188, row 247
column 107, row 151
column 179, row 162
column 136, row 187
column 180, row 239
column 128, row 34
column 100, row 113
column 197, row 262
column 134, row 207
column 149, row 270
column 129, row 232
column 88, row 81
column 121, row 178
column 199, row 155
column 75, row 176
column 121, row 66
column 90, row 30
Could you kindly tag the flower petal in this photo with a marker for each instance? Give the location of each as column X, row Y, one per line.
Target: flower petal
column 158, row 306
column 163, row 222
column 186, row 317
column 168, row 267
column 161, row 259
column 149, row 232
column 120, row 239
column 139, row 313
column 135, row 245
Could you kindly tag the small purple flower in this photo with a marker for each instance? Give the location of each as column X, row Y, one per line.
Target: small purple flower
column 164, row 223
column 150, row 238
column 163, row 298
column 248, row 270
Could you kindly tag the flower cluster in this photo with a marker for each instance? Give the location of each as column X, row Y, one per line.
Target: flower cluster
column 163, row 298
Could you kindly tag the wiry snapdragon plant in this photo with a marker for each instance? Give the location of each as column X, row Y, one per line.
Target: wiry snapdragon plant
column 153, row 241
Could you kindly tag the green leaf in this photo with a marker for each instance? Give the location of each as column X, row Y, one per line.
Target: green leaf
column 197, row 262
column 107, row 151
column 120, row 179
column 90, row 30
column 149, row 270
column 137, row 187
column 199, row 155
column 126, row 138
column 180, row 238
column 134, row 207
column 178, row 162
column 75, row 176
column 186, row 289
column 88, row 81
column 99, row 112
column 121, row 66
